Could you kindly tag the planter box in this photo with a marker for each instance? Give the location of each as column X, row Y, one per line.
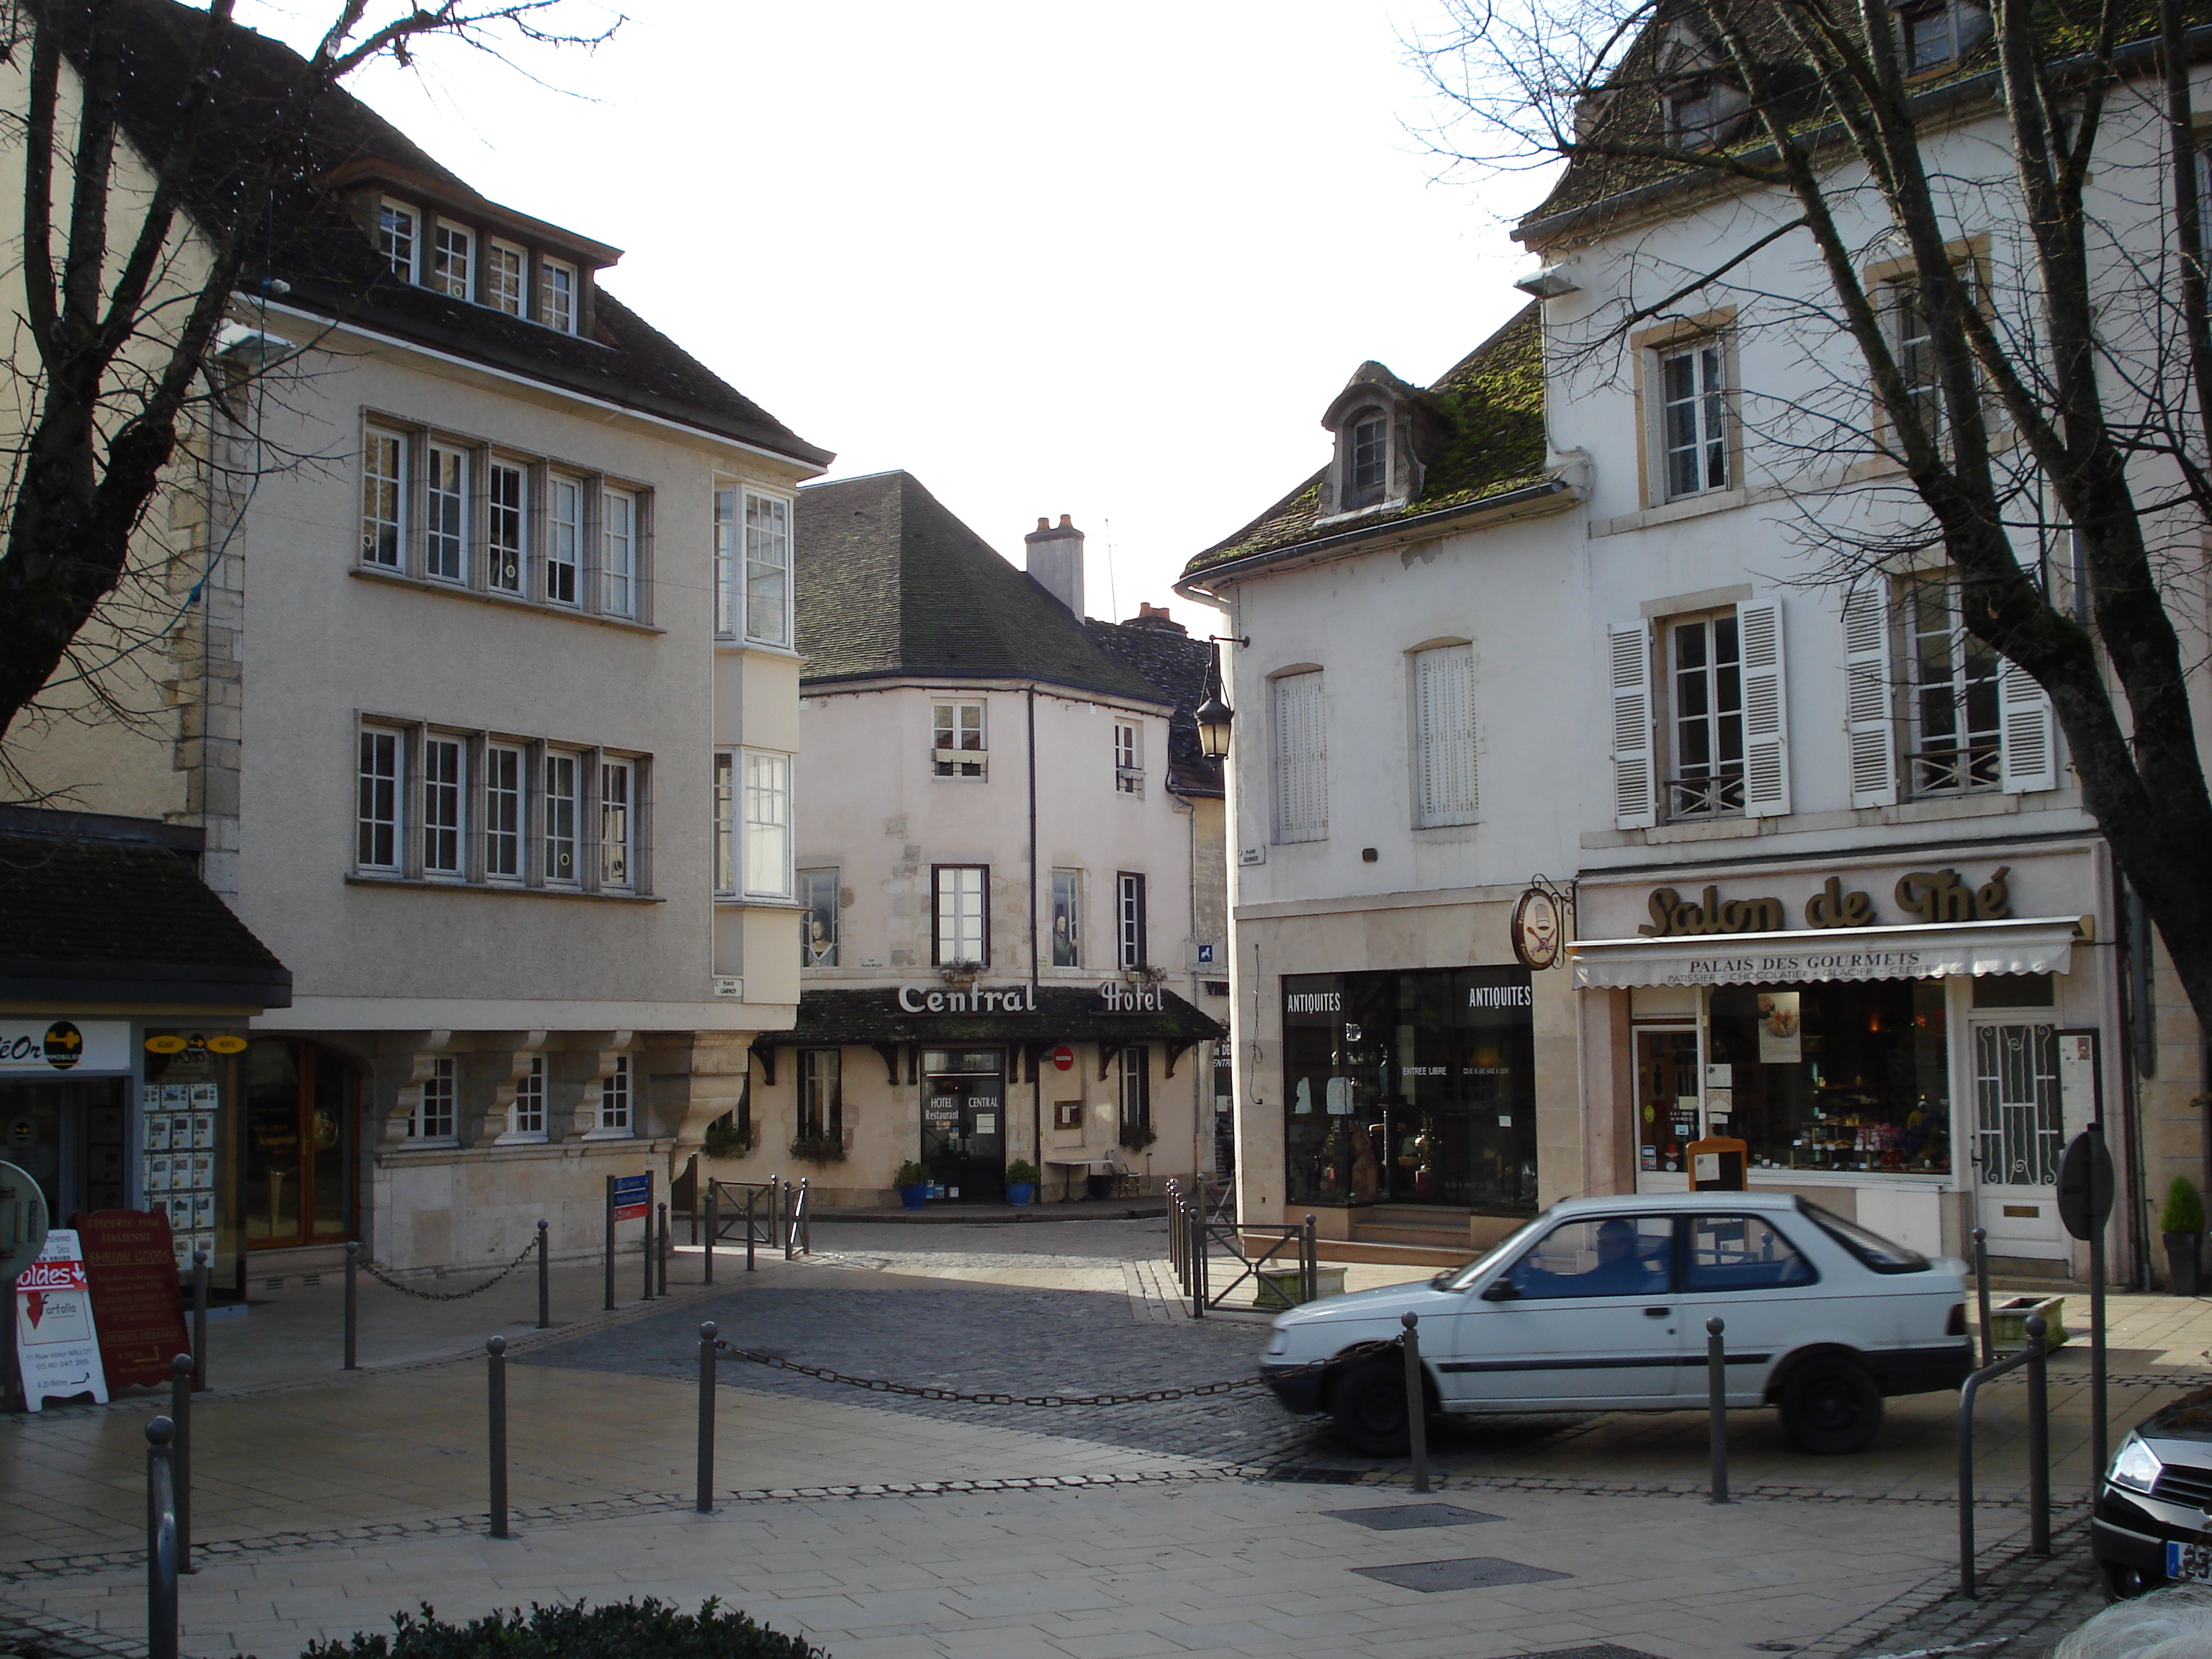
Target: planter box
column 1282, row 1287
column 2008, row 1323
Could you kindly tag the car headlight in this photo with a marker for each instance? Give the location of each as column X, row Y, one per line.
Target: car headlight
column 1279, row 1343
column 2136, row 1467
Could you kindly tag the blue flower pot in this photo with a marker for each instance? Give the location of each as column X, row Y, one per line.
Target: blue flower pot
column 1020, row 1192
column 915, row 1196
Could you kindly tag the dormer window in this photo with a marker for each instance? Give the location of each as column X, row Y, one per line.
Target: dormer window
column 1693, row 111
column 505, row 282
column 452, row 252
column 1367, row 455
column 1386, row 433
column 556, row 295
column 1932, row 34
column 396, row 229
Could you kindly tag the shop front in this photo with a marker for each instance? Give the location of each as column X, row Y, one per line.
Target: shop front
column 1912, row 1042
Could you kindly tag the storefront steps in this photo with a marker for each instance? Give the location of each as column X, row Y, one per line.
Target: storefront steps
column 1358, row 1250
column 1403, row 1233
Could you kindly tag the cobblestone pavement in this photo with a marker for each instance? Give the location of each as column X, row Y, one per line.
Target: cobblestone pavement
column 2023, row 1606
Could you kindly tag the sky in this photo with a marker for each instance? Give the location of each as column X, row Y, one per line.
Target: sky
column 1046, row 263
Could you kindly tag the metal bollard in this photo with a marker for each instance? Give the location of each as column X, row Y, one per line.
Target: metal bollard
column 2039, row 1439
column 705, row 1504
column 160, row 1543
column 1982, row 1293
column 496, row 1378
column 352, row 1306
column 1198, row 1291
column 752, row 1197
column 610, row 1244
column 1717, row 1405
column 660, row 1256
column 199, row 1321
column 180, row 1454
column 709, row 1278
column 1313, row 1262
column 647, row 1257
column 1416, row 1401
column 545, row 1284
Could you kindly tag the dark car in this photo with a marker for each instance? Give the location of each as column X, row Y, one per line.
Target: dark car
column 2153, row 1519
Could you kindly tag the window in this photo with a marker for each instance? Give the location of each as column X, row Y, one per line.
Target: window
column 561, row 817
column 1367, row 460
column 452, row 253
column 767, row 824
column 956, row 740
column 1929, row 37
column 383, row 490
column 617, row 822
column 1128, row 767
column 505, row 529
column 818, row 898
column 556, row 295
column 1067, row 919
column 1693, row 419
column 395, row 238
column 821, row 1096
column 1620, row 1256
column 504, row 265
column 1301, row 759
column 617, row 551
column 435, row 1114
column 725, row 823
column 1705, row 686
column 614, row 1098
column 446, row 504
column 1694, row 111
column 767, row 569
column 726, row 563
column 1956, row 742
column 1741, row 1252
column 1135, row 1065
column 963, row 931
column 376, row 811
column 565, row 538
column 1129, row 917
column 527, row 1119
column 441, row 806
column 503, row 813
column 1443, row 736
column 1912, row 339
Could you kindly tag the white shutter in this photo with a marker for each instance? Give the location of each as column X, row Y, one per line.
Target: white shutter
column 1635, row 795
column 1869, row 714
column 1301, row 759
column 1766, row 710
column 2028, row 743
column 1444, row 735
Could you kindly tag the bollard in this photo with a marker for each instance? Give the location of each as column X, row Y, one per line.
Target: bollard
column 610, row 1244
column 180, row 1454
column 660, row 1256
column 352, row 1306
column 1717, row 1405
column 1416, row 1401
column 1312, row 1263
column 1198, row 1291
column 545, row 1284
column 705, row 1500
column 753, row 1196
column 648, row 1258
column 160, row 1543
column 496, row 1378
column 1982, row 1295
column 709, row 1278
column 199, row 1321
column 2038, row 1440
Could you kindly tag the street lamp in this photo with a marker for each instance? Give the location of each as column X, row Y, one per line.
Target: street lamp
column 1213, row 716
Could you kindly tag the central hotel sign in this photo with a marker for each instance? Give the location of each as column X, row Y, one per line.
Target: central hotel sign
column 1114, row 998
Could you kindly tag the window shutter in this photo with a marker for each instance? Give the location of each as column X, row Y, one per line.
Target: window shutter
column 2029, row 744
column 1301, row 759
column 1445, row 735
column 1869, row 719
column 1634, row 802
column 1765, row 711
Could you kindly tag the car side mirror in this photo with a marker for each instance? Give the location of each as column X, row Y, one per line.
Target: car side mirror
column 1500, row 1290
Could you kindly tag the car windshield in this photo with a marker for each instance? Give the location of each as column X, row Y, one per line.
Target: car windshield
column 1872, row 1249
column 1458, row 1278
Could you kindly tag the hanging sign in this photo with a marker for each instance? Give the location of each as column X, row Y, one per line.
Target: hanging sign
column 65, row 1045
column 131, row 1262
column 55, row 1341
column 1537, row 931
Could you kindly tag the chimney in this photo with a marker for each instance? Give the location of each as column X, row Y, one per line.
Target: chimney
column 1155, row 616
column 1055, row 559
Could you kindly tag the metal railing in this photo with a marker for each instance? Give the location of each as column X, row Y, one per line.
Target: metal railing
column 747, row 1211
column 1194, row 1233
column 2038, row 1449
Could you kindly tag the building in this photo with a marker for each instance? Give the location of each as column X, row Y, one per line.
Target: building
column 483, row 598
column 999, row 871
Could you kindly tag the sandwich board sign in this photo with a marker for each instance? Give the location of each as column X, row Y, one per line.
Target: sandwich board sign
column 55, row 1342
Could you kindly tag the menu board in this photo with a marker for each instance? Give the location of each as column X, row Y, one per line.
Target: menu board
column 178, row 1170
column 131, row 1263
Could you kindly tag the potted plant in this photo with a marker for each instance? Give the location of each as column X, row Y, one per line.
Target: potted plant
column 728, row 1138
column 1021, row 1182
column 913, row 1184
column 1135, row 1137
column 2182, row 1221
column 818, row 1149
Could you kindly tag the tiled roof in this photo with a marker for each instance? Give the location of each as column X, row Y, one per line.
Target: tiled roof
column 332, row 269
column 889, row 584
column 1181, row 666
column 1493, row 402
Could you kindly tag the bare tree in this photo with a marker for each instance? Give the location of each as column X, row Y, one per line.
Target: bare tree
column 1992, row 403
column 133, row 241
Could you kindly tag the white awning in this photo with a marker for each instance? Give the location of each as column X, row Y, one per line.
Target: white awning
column 2038, row 945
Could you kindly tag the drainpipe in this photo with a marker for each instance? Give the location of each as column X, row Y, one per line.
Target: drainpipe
column 2132, row 961
column 1036, row 1082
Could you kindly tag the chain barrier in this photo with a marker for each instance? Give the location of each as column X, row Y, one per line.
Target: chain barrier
column 383, row 1278
column 923, row 1391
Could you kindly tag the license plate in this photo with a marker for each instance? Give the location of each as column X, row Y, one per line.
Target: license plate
column 2189, row 1561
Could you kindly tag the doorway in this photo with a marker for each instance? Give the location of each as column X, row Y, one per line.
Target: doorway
column 2019, row 1135
column 299, row 1145
column 963, row 1124
column 68, row 1137
column 1667, row 1096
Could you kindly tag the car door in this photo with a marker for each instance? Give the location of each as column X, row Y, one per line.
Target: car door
column 1585, row 1315
column 1743, row 1270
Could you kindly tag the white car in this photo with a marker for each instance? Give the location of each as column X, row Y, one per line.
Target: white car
column 1600, row 1304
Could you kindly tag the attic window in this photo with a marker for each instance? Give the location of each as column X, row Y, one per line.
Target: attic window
column 1694, row 111
column 1930, row 40
column 452, row 252
column 1367, row 460
column 556, row 295
column 396, row 237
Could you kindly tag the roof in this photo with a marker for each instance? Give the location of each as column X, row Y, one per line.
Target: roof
column 1065, row 1013
column 1183, row 667
column 333, row 270
column 1492, row 403
column 891, row 585
column 109, row 910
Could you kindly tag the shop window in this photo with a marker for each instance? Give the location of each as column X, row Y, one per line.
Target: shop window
column 818, row 901
column 821, row 1096
column 1067, row 919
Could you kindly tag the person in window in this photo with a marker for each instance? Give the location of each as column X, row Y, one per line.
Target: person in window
column 1620, row 1270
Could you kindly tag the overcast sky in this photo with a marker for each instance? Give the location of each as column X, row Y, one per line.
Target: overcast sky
column 1110, row 262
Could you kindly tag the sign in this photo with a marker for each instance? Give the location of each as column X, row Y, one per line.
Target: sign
column 1063, row 1057
column 2041, row 945
column 975, row 999
column 1205, row 953
column 1116, row 998
column 632, row 1196
column 130, row 1259
column 2085, row 1185
column 23, row 1221
column 55, row 1342
column 1926, row 895
column 1536, row 930
column 65, row 1045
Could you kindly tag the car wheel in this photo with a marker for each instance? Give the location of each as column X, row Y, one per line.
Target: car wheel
column 1830, row 1406
column 2125, row 1584
column 1369, row 1407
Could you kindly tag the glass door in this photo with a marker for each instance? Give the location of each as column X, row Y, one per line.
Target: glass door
column 964, row 1124
column 298, row 1138
column 2019, row 1135
column 1667, row 1096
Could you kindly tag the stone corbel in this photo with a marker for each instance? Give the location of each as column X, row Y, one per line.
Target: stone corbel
column 599, row 1052
column 418, row 1055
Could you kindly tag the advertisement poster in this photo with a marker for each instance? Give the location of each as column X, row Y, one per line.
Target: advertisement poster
column 1780, row 1042
column 54, row 1335
column 131, row 1263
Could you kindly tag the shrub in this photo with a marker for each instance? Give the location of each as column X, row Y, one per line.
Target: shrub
column 1135, row 1137
column 2184, row 1208
column 818, row 1149
column 1021, row 1172
column 910, row 1174
column 725, row 1138
column 650, row 1629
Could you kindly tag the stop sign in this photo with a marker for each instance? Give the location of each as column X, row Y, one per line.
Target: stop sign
column 1064, row 1058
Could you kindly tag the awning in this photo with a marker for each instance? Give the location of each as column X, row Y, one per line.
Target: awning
column 2038, row 945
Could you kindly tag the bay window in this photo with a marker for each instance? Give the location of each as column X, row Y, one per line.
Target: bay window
column 767, row 824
